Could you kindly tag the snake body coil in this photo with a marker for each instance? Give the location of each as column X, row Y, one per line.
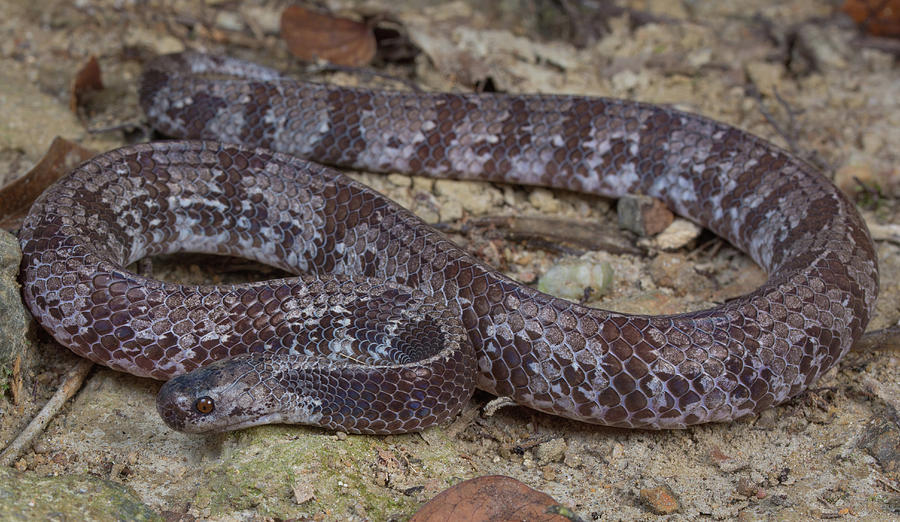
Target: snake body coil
column 377, row 356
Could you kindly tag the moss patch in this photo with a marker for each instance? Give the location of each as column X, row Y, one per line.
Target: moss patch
column 289, row 472
column 28, row 496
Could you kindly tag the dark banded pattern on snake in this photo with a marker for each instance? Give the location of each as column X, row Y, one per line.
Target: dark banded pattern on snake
column 552, row 355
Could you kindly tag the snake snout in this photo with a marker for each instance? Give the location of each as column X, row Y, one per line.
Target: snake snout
column 174, row 404
column 214, row 398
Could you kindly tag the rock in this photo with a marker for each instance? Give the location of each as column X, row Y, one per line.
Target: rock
column 675, row 272
column 675, row 236
column 660, row 500
column 159, row 44
column 28, row 496
column 550, row 451
column 475, row 197
column 826, row 48
column 578, row 279
column 229, row 20
column 628, row 80
column 766, row 76
column 544, row 200
column 767, row 419
column 449, row 212
column 399, row 180
column 881, row 439
column 849, row 177
column 643, row 215
column 727, row 463
column 746, row 488
column 14, row 317
column 267, row 18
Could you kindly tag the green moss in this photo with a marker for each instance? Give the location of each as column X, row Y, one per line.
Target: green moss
column 29, row 496
column 260, row 468
column 5, row 374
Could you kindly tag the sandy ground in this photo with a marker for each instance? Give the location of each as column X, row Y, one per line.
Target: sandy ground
column 794, row 72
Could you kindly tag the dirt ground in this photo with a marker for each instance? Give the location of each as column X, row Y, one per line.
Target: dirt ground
column 796, row 72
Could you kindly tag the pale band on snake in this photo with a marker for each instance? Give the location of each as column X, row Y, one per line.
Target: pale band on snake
column 391, row 326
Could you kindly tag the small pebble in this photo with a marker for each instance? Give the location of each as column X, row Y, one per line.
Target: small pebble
column 675, row 236
column 643, row 215
column 399, row 180
column 849, row 177
column 746, row 488
column 548, row 473
column 767, row 419
column 573, row 458
column 544, row 200
column 881, row 440
column 475, row 197
column 572, row 279
column 550, row 451
column 230, row 21
column 660, row 500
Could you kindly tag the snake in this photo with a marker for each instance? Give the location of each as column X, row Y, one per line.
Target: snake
column 388, row 326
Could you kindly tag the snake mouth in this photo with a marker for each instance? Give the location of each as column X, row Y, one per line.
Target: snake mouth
column 199, row 429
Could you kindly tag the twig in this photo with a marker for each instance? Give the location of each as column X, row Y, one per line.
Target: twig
column 568, row 236
column 886, row 339
column 884, row 44
column 70, row 385
column 789, row 133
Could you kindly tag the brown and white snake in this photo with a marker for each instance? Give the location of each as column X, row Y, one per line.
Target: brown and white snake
column 392, row 325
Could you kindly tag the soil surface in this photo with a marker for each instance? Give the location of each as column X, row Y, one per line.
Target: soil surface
column 796, row 72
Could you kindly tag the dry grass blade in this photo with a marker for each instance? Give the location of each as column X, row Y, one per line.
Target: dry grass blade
column 571, row 236
column 69, row 387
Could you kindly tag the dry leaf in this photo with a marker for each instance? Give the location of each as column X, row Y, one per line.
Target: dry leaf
column 16, row 198
column 876, row 17
column 311, row 36
column 494, row 498
column 86, row 79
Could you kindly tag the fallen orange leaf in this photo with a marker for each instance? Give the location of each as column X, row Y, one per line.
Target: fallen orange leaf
column 16, row 197
column 86, row 79
column 491, row 498
column 876, row 17
column 311, row 36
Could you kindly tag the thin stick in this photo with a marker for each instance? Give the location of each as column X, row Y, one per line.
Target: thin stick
column 70, row 385
column 886, row 339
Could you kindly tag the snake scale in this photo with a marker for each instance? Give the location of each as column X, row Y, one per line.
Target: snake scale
column 391, row 325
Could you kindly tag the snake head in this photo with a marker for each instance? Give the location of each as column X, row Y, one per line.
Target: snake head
column 226, row 395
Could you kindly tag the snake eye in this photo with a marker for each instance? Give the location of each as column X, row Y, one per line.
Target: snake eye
column 205, row 405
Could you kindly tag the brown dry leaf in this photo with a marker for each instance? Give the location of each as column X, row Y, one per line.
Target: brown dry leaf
column 311, row 36
column 86, row 79
column 876, row 17
column 494, row 498
column 16, row 197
